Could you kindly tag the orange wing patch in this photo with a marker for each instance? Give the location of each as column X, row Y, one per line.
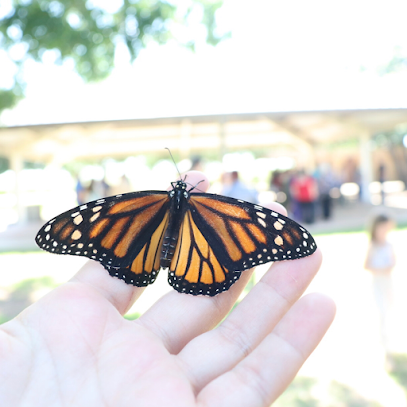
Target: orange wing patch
column 99, row 227
column 219, row 225
column 223, row 207
column 243, row 237
column 192, row 253
column 136, row 203
column 148, row 260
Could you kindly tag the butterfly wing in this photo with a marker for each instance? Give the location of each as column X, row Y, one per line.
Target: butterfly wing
column 222, row 236
column 195, row 269
column 124, row 233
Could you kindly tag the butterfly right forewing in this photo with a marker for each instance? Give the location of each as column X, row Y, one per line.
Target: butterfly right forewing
column 244, row 235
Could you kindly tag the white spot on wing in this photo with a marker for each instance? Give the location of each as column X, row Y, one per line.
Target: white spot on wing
column 278, row 225
column 76, row 235
column 78, row 219
column 262, row 223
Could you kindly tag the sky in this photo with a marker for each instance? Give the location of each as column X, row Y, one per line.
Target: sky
column 282, row 56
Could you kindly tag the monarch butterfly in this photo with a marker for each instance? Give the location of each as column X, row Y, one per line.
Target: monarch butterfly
column 205, row 240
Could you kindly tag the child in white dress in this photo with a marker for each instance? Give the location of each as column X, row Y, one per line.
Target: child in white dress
column 380, row 261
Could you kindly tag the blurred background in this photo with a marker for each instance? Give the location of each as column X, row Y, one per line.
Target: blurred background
column 300, row 102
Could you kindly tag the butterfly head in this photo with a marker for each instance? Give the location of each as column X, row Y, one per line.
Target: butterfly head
column 179, row 187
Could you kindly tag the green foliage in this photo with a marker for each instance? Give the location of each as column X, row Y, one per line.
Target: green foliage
column 21, row 295
column 397, row 64
column 4, row 161
column 299, row 394
column 344, row 396
column 24, row 288
column 8, row 98
column 302, row 393
column 132, row 317
column 398, row 369
column 87, row 35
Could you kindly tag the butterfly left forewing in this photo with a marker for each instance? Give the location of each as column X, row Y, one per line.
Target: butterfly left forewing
column 243, row 235
column 111, row 230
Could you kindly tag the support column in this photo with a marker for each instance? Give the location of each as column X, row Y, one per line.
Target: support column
column 366, row 167
column 222, row 139
column 17, row 165
column 185, row 138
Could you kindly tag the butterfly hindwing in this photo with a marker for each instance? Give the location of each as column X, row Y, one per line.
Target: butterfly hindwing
column 195, row 268
column 146, row 265
column 120, row 232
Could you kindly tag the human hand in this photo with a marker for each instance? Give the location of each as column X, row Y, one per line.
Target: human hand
column 74, row 348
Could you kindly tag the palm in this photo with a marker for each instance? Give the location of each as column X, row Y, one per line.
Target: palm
column 73, row 347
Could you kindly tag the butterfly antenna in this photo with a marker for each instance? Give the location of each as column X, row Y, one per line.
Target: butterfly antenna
column 195, row 186
column 174, row 163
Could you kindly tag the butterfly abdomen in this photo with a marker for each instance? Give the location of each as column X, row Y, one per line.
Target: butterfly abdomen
column 179, row 201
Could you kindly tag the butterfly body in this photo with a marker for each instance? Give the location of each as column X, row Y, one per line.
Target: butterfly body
column 204, row 240
column 178, row 206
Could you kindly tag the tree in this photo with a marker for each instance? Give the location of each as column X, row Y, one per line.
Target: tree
column 88, row 33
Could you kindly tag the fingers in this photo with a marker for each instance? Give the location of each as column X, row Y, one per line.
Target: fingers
column 178, row 318
column 217, row 351
column 261, row 377
column 121, row 295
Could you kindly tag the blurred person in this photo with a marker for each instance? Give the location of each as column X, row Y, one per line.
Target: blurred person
column 234, row 188
column 184, row 351
column 304, row 191
column 276, row 181
column 196, row 163
column 326, row 181
column 96, row 189
column 122, row 187
column 80, row 192
column 380, row 261
column 351, row 172
column 382, row 179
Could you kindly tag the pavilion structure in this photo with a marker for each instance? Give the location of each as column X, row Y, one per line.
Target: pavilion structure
column 301, row 134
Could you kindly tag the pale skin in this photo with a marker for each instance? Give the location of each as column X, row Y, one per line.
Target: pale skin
column 74, row 348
